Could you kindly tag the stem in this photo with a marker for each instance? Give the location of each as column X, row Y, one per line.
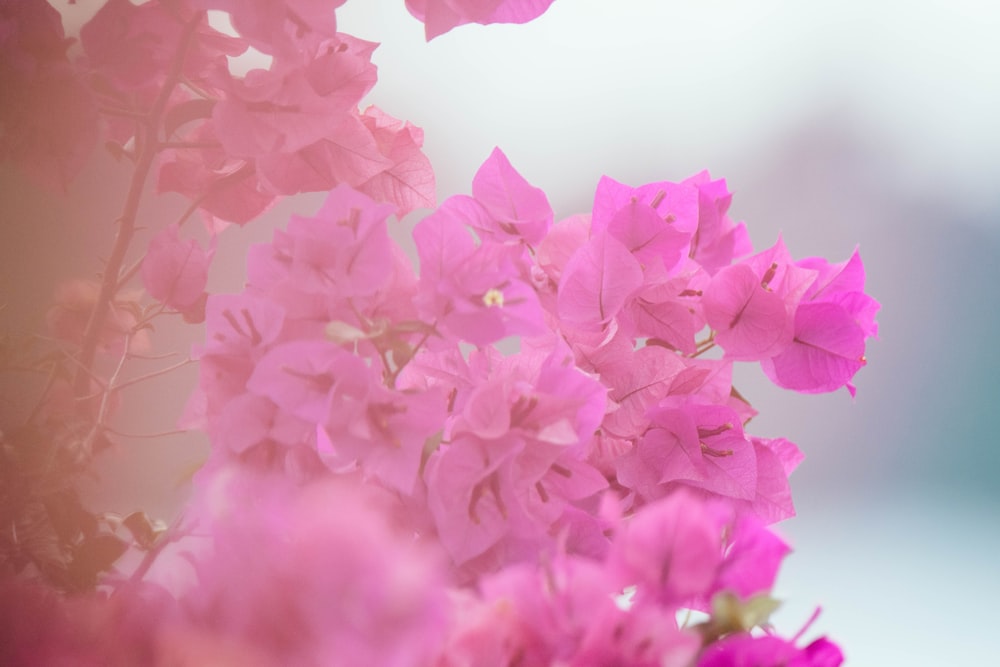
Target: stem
column 49, row 381
column 139, row 436
column 153, row 374
column 413, row 353
column 127, row 219
column 102, row 411
column 172, row 534
column 701, row 351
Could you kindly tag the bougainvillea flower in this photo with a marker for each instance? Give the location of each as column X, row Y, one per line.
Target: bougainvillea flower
column 343, row 249
column 250, row 419
column 718, row 240
column 597, row 281
column 409, row 182
column 41, row 626
column 388, row 436
column 316, row 575
column 474, row 292
column 175, row 272
column 753, row 556
column 637, row 382
column 744, row 650
column 698, row 446
column 465, row 495
column 284, row 28
column 440, row 16
column 676, row 204
column 511, row 208
column 751, row 305
column 49, row 118
column 670, row 549
column 270, row 111
column 827, row 349
column 135, row 46
column 313, row 380
column 240, row 329
column 831, row 326
column 349, row 155
column 659, row 246
column 226, row 189
column 772, row 501
column 667, row 312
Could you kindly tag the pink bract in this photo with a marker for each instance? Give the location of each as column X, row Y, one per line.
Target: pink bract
column 525, row 449
column 440, row 16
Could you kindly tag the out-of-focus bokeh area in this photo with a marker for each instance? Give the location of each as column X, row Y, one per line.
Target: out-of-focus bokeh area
column 861, row 122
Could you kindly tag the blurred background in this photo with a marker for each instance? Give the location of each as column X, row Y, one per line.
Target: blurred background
column 858, row 123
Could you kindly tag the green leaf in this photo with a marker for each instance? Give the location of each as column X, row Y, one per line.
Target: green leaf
column 731, row 614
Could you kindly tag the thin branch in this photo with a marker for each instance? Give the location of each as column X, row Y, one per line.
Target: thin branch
column 172, row 534
column 102, row 411
column 154, row 357
column 144, row 436
column 701, row 351
column 130, row 211
column 129, row 273
column 151, row 375
column 413, row 353
column 49, row 381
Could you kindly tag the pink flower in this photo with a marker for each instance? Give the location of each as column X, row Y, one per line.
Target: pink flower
column 49, row 118
column 226, row 188
column 514, row 462
column 316, row 575
column 350, row 154
column 718, row 240
column 656, row 221
column 751, row 305
column 409, row 181
column 668, row 312
column 132, row 47
column 240, row 328
column 831, row 326
column 472, row 292
column 286, row 108
column 280, row 28
column 387, row 438
column 671, row 550
column 175, row 273
column 342, row 250
column 596, row 282
column 744, row 650
column 753, row 556
column 440, row 16
column 41, row 627
column 312, row 379
column 637, row 381
column 504, row 206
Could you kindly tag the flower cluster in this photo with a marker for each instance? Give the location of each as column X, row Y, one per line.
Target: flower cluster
column 527, row 450
column 607, row 452
column 338, row 354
